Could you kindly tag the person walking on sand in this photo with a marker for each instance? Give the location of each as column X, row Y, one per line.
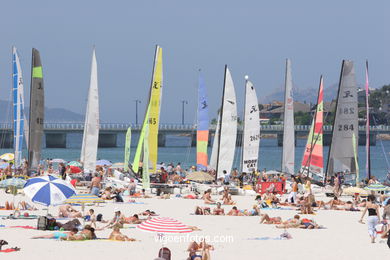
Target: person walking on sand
column 373, row 217
column 294, row 190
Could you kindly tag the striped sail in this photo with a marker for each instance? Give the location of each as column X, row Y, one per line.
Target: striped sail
column 368, row 154
column 341, row 152
column 228, row 127
column 202, row 134
column 152, row 115
column 18, row 107
column 313, row 157
column 127, row 149
column 37, row 107
column 251, row 135
column 91, row 126
column 288, row 129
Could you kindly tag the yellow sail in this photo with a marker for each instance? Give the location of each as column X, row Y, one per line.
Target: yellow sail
column 154, row 109
column 152, row 116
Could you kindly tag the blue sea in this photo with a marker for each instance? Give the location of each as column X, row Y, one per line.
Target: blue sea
column 178, row 150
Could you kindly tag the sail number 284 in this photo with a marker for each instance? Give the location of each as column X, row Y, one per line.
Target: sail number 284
column 345, row 127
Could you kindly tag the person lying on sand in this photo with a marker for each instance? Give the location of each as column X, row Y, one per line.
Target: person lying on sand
column 235, row 212
column 118, row 236
column 203, row 248
column 58, row 235
column 202, row 210
column 87, row 233
column 67, row 211
column 164, row 196
column 148, row 213
column 207, row 197
column 334, row 203
column 290, row 223
column 254, row 211
column 265, row 219
column 309, row 224
column 133, row 220
column 118, row 220
column 218, row 210
column 107, row 194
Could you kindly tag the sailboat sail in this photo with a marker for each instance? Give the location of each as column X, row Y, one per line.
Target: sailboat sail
column 214, row 149
column 341, row 152
column 18, row 107
column 368, row 154
column 202, row 134
column 251, row 135
column 145, row 173
column 127, row 149
column 37, row 106
column 91, row 126
column 288, row 129
column 228, row 127
column 313, row 161
column 152, row 115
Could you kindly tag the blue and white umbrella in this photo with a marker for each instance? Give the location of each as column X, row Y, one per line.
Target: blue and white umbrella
column 16, row 182
column 48, row 190
column 103, row 162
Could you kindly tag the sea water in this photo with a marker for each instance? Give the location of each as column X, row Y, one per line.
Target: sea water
column 178, row 149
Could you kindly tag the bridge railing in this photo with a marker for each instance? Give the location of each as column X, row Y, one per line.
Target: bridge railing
column 177, row 127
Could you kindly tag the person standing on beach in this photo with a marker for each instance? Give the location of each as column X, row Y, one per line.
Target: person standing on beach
column 294, row 190
column 336, row 189
column 96, row 185
column 373, row 217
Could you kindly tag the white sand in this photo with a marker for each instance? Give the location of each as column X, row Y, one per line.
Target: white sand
column 344, row 237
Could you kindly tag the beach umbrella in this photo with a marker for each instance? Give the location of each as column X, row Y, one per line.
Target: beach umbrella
column 15, row 182
column 376, row 187
column 75, row 163
column 58, row 160
column 355, row 190
column 7, row 157
column 83, row 199
column 75, row 169
column 5, row 165
column 103, row 162
column 199, row 176
column 163, row 225
column 48, row 190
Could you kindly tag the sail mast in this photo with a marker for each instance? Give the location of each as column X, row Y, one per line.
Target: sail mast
column 368, row 151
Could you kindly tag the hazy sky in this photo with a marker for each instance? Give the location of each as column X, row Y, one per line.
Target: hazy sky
column 252, row 37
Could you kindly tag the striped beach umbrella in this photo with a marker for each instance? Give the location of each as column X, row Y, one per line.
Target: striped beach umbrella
column 75, row 163
column 376, row 187
column 48, row 190
column 15, row 182
column 163, row 225
column 7, row 156
column 83, row 199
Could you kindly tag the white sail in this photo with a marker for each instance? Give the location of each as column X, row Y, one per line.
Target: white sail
column 214, row 149
column 91, row 127
column 251, row 134
column 288, row 129
column 228, row 128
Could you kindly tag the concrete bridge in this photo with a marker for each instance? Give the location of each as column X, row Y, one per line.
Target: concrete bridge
column 59, row 135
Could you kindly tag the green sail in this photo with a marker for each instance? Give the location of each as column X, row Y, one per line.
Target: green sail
column 137, row 155
column 127, row 149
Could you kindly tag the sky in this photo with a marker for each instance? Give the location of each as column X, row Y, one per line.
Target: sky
column 253, row 37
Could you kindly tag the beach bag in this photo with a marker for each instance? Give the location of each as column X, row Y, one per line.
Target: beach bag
column 99, row 217
column 71, row 224
column 42, row 223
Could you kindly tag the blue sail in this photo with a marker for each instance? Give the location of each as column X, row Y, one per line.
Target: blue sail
column 203, row 127
column 18, row 107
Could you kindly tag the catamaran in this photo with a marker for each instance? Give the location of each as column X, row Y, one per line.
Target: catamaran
column 251, row 134
column 37, row 113
column 18, row 108
column 91, row 126
column 342, row 151
column 226, row 133
column 202, row 133
column 313, row 161
column 288, row 124
column 151, row 121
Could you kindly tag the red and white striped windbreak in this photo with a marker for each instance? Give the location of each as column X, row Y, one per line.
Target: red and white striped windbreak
column 163, row 225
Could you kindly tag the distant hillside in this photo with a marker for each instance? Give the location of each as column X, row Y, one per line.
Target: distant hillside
column 51, row 114
column 309, row 95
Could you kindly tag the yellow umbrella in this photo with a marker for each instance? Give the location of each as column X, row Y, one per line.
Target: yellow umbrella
column 354, row 190
column 83, row 199
column 200, row 176
column 7, row 157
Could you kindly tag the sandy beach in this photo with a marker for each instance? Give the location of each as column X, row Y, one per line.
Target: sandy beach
column 343, row 237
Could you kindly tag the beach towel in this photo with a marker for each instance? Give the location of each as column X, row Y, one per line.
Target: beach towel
column 24, row 227
column 267, row 238
column 19, row 217
column 9, row 250
column 278, row 208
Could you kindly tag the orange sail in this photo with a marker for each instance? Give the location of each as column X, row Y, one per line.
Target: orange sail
column 313, row 158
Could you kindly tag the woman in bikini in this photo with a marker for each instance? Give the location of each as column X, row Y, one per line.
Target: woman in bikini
column 265, row 219
column 118, row 236
column 207, row 197
column 218, row 210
